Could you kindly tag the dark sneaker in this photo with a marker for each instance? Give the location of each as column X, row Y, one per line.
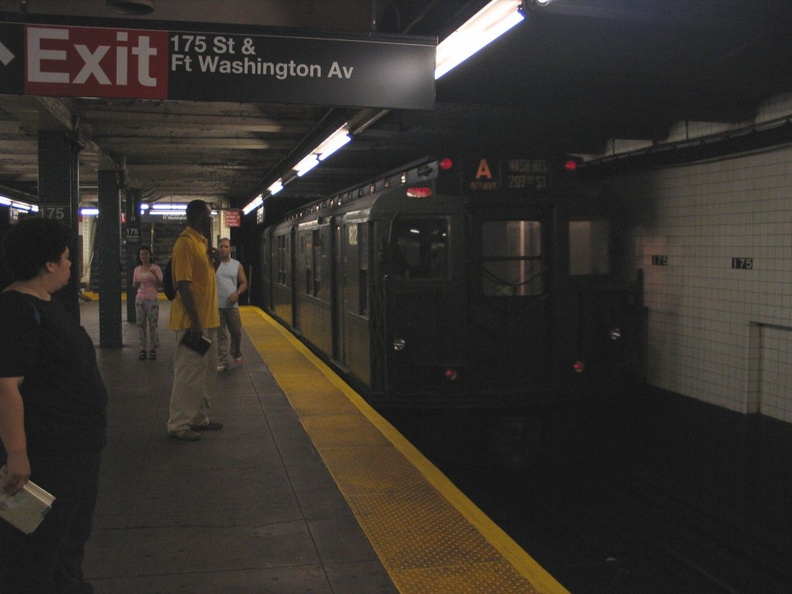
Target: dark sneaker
column 153, row 355
column 185, row 435
column 208, row 426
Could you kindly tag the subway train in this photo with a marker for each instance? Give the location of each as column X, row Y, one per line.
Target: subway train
column 459, row 282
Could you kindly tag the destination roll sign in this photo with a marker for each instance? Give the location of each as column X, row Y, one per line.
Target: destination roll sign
column 77, row 61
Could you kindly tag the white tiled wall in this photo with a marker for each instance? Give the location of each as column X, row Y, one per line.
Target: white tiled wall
column 718, row 334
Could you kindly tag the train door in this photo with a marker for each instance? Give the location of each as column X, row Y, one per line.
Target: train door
column 339, row 291
column 510, row 296
column 292, row 276
column 351, row 346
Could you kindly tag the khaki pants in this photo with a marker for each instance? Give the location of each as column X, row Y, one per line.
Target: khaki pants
column 229, row 320
column 194, row 378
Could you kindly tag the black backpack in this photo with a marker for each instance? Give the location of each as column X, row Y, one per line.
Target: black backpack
column 167, row 282
column 167, row 279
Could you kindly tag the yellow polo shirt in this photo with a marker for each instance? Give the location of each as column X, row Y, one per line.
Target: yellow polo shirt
column 191, row 263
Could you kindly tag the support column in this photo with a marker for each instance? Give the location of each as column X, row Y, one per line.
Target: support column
column 108, row 251
column 59, row 197
column 133, row 242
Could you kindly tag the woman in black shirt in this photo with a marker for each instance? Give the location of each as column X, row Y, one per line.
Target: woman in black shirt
column 53, row 421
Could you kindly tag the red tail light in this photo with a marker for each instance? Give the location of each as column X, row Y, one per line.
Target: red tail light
column 578, row 367
column 419, row 192
column 450, row 374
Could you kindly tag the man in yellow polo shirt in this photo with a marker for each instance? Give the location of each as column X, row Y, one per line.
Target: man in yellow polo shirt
column 194, row 314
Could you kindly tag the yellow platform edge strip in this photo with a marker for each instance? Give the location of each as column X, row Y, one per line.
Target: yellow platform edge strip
column 522, row 562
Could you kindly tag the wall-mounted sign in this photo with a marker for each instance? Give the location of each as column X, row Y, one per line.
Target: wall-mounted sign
column 742, row 263
column 133, row 234
column 55, row 211
column 233, row 217
column 659, row 260
column 83, row 61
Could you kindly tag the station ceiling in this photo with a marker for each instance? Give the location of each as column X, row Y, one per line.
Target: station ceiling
column 571, row 77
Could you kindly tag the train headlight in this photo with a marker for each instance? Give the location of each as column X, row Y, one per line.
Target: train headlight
column 399, row 344
column 615, row 333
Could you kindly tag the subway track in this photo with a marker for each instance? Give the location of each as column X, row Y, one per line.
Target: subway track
column 581, row 500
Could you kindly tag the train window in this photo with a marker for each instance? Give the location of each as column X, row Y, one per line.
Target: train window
column 420, row 248
column 316, row 254
column 283, row 258
column 588, row 247
column 363, row 259
column 511, row 258
column 311, row 254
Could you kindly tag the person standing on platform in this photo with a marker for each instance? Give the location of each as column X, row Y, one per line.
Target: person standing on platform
column 53, row 413
column 231, row 283
column 146, row 279
column 195, row 318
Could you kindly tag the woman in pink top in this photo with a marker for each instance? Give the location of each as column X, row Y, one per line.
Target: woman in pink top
column 147, row 278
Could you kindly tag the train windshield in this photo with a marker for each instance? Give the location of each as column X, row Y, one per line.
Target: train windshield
column 511, row 258
column 588, row 247
column 419, row 247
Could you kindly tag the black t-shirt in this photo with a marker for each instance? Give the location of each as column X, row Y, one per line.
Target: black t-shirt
column 64, row 396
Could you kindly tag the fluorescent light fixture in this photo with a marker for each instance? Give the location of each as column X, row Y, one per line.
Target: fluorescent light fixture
column 308, row 162
column 275, row 187
column 333, row 142
column 89, row 212
column 323, row 150
column 170, row 207
column 253, row 204
column 485, row 26
column 4, row 200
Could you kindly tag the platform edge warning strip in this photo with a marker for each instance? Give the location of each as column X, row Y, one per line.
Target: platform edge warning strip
column 522, row 563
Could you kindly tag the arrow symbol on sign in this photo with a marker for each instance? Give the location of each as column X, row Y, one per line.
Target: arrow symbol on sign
column 5, row 55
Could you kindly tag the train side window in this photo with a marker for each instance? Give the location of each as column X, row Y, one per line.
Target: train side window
column 420, row 248
column 363, row 267
column 306, row 256
column 511, row 258
column 283, row 258
column 316, row 255
column 311, row 252
column 588, row 247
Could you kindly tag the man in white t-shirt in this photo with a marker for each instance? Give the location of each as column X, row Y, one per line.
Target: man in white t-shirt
column 231, row 283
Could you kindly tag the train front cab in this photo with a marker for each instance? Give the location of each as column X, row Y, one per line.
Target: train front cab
column 530, row 308
column 601, row 346
column 418, row 297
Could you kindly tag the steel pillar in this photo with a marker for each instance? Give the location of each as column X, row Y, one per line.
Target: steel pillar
column 108, row 251
column 59, row 198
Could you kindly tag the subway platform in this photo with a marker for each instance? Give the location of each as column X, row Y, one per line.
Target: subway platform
column 306, row 489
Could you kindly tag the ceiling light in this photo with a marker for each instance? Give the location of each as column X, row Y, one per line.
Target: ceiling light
column 5, row 201
column 333, row 142
column 135, row 7
column 308, row 162
column 323, row 150
column 275, row 187
column 253, row 204
column 485, row 26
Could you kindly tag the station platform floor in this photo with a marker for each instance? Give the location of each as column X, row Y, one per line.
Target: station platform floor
column 306, row 489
